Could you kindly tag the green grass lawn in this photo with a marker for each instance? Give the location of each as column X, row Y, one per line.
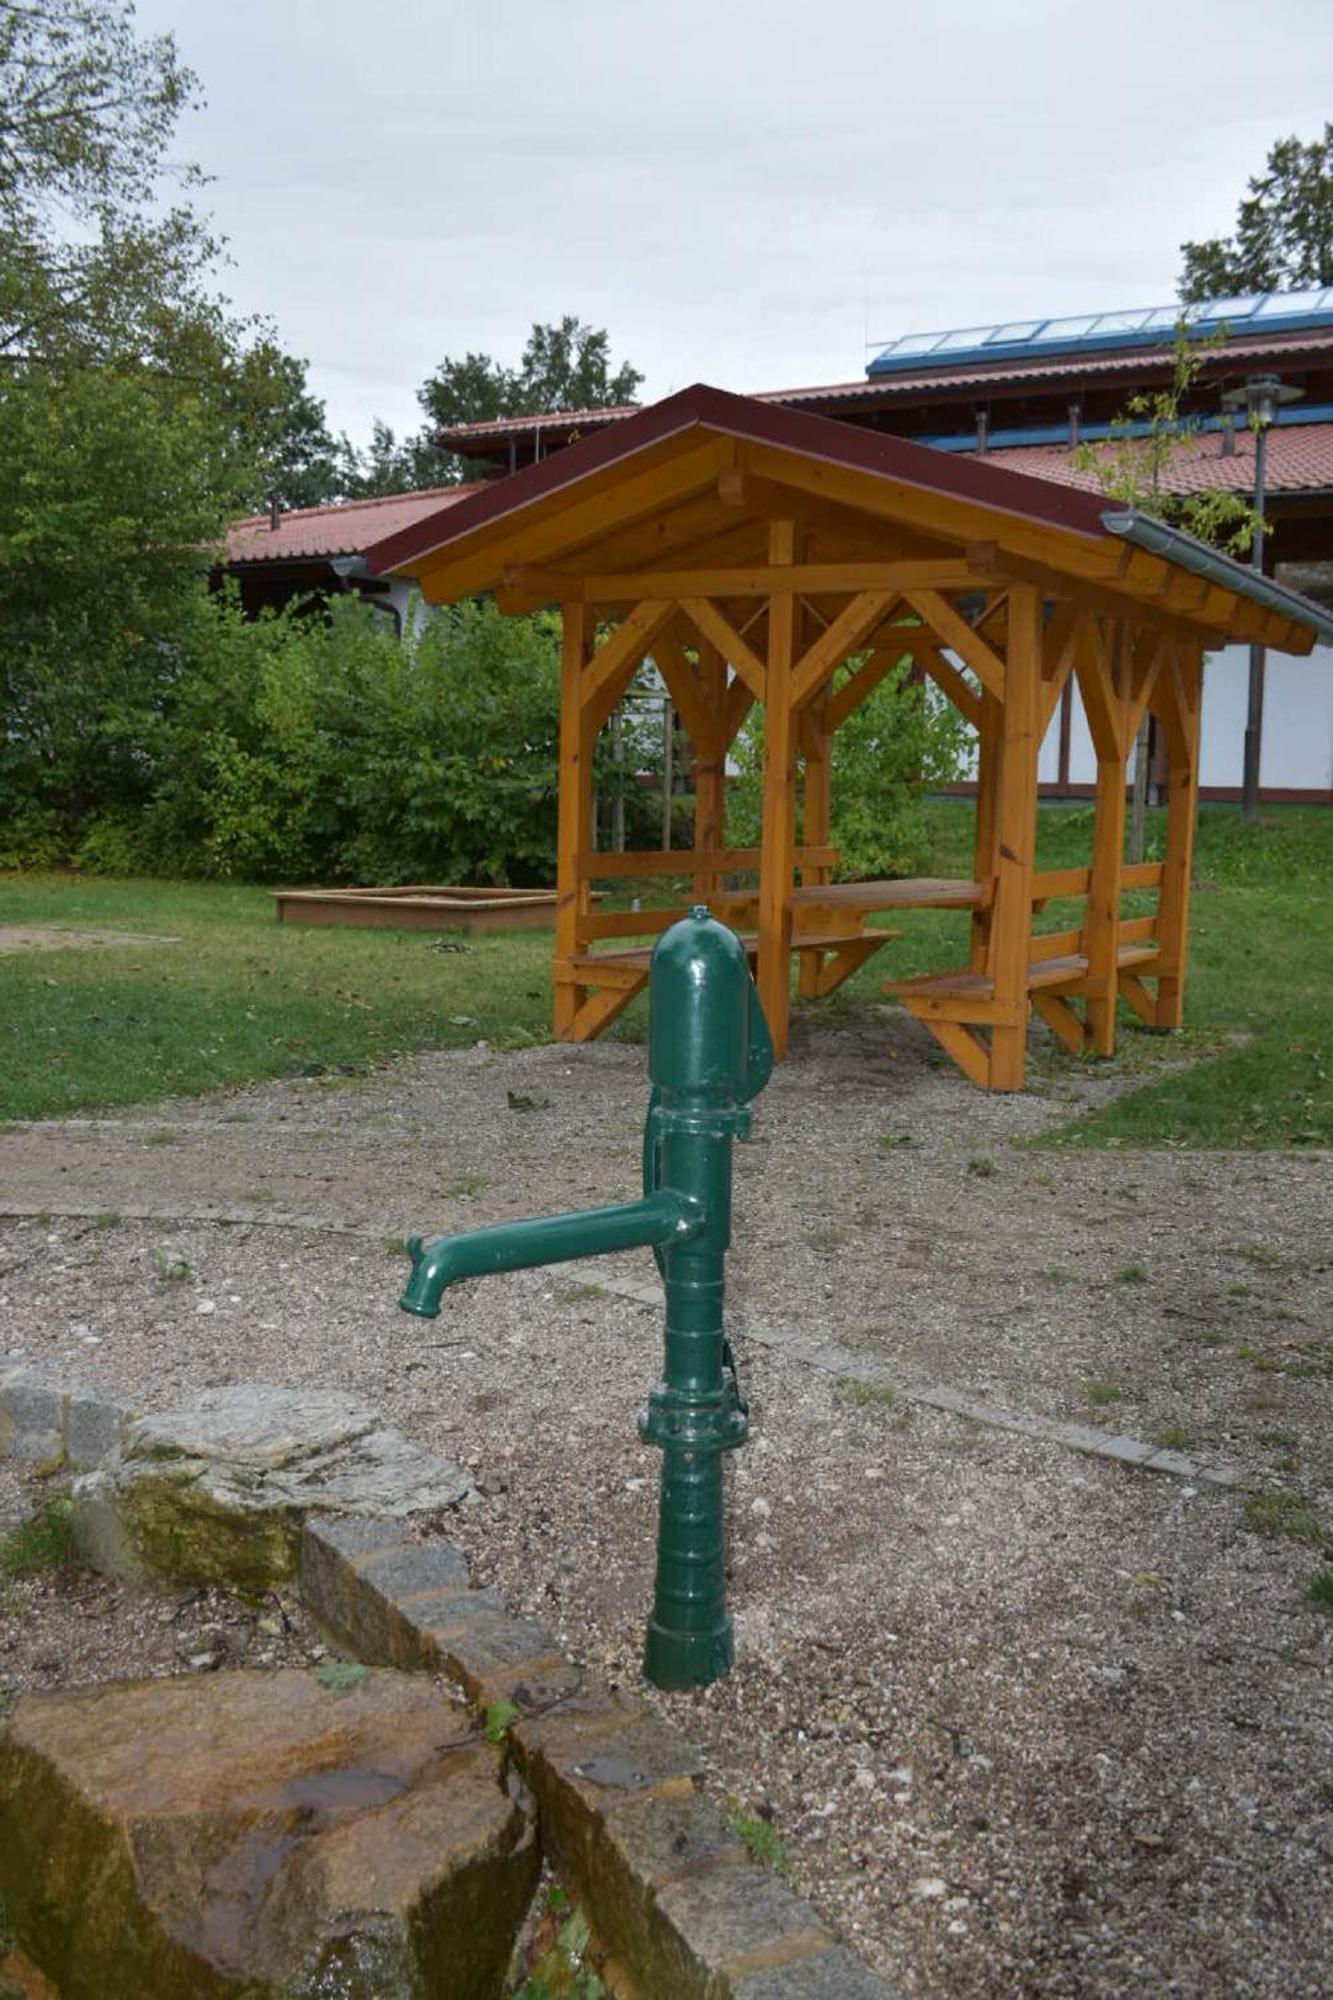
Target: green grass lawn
column 241, row 997
column 238, row 997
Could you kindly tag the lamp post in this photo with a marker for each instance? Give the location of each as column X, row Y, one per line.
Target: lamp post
column 1261, row 398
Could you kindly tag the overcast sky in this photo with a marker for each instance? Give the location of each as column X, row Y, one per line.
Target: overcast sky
column 742, row 192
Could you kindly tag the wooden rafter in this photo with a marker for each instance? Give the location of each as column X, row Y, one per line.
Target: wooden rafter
column 949, row 624
column 845, row 635
column 713, row 625
column 947, row 678
column 567, row 523
column 685, row 688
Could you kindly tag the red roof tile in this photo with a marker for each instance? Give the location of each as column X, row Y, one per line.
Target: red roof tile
column 1300, row 460
column 907, row 384
column 1139, row 361
column 310, row 533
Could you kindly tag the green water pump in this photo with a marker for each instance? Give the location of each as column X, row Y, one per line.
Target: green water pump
column 709, row 1053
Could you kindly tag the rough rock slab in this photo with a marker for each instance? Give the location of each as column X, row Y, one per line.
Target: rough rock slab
column 261, row 1834
column 216, row 1490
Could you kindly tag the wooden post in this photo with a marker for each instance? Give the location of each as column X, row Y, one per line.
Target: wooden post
column 668, row 767
column 1015, row 837
column 1138, row 818
column 1106, row 721
column 778, row 836
column 710, row 770
column 1180, row 710
column 983, row 853
column 818, row 807
column 618, row 802
column 574, row 816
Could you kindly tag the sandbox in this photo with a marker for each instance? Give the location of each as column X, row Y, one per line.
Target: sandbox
column 420, row 906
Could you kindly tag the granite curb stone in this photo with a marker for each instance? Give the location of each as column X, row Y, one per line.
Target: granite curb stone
column 665, row 1884
column 43, row 1424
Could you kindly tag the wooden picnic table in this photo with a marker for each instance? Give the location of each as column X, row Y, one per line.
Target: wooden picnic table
column 920, row 892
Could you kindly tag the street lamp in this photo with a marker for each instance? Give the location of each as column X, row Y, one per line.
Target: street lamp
column 1261, row 398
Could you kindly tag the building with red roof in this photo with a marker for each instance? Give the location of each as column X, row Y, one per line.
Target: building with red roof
column 312, row 553
column 1032, row 396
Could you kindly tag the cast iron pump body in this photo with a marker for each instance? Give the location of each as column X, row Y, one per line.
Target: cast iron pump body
column 709, row 1053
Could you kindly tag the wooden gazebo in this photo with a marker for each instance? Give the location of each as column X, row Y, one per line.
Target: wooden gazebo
column 751, row 552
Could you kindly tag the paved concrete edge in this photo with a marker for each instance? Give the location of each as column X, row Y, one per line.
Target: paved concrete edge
column 666, row 1886
column 829, row 1358
column 833, row 1360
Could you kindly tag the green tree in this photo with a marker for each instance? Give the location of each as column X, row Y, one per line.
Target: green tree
column 87, row 112
column 135, row 413
column 96, row 273
column 109, row 499
column 280, row 425
column 1284, row 231
column 564, row 366
column 1149, row 436
column 390, row 464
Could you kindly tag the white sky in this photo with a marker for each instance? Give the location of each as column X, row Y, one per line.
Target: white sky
column 741, row 191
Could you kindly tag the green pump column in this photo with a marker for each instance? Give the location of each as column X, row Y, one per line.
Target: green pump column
column 709, row 1053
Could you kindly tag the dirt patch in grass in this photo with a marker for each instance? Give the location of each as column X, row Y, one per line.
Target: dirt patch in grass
column 51, row 937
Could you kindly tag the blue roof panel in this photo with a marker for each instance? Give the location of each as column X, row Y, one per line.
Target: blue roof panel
column 1098, row 332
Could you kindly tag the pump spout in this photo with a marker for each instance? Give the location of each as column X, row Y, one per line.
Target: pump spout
column 659, row 1219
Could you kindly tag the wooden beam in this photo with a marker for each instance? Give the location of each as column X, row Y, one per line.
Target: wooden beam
column 1157, row 648
column 966, row 1049
column 710, row 770
column 1102, row 922
column 686, row 690
column 1058, row 649
column 845, row 635
column 1016, row 834
column 739, row 703
column 574, row 809
column 564, row 522
column 1182, row 811
column 1101, row 702
column 713, row 625
column 984, row 832
column 815, row 818
column 778, row 838
column 839, row 578
column 848, row 698
column 952, row 628
column 609, row 867
column 611, row 667
column 948, row 679
column 1061, row 1019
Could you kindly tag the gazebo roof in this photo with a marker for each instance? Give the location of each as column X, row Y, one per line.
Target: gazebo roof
column 698, row 476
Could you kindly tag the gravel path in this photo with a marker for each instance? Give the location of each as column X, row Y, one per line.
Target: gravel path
column 1025, row 1722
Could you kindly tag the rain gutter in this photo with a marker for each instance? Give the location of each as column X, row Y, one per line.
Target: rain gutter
column 1182, row 549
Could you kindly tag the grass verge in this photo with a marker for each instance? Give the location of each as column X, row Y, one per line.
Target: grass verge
column 240, row 997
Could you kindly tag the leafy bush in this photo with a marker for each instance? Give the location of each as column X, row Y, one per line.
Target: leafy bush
column 301, row 747
column 304, row 748
column 903, row 741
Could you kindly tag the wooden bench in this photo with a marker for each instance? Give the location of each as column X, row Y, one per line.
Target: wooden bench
column 1066, row 973
column 957, row 1003
column 630, row 968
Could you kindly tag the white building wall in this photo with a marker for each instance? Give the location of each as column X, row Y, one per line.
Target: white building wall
column 1298, row 725
column 1298, row 720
